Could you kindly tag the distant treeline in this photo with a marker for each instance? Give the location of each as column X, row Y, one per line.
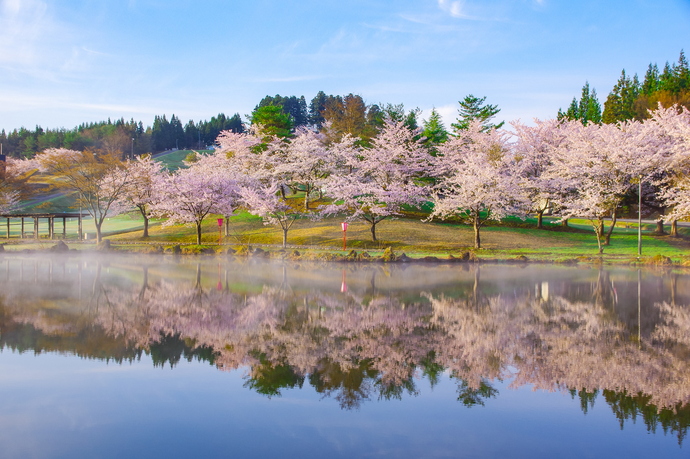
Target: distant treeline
column 631, row 99
column 347, row 114
column 124, row 137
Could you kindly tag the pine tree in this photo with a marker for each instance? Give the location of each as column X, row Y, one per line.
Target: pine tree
column 316, row 108
column 651, row 80
column 473, row 108
column 434, row 131
column 587, row 109
column 620, row 103
column 682, row 73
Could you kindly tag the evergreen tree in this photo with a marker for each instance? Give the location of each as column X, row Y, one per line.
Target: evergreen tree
column 651, row 80
column 397, row 113
column 620, row 103
column 316, row 109
column 590, row 109
column 681, row 73
column 192, row 135
column 434, row 131
column 292, row 106
column 176, row 133
column 573, row 112
column 666, row 80
column 272, row 121
column 235, row 124
column 473, row 108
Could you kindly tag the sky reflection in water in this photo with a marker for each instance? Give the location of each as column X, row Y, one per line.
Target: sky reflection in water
column 339, row 360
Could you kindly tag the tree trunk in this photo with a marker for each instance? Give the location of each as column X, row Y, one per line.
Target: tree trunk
column 285, row 231
column 659, row 227
column 564, row 222
column 307, row 192
column 198, row 233
column 477, row 240
column 613, row 225
column 99, row 236
column 142, row 211
column 540, row 219
column 373, row 230
column 674, row 228
column 598, row 230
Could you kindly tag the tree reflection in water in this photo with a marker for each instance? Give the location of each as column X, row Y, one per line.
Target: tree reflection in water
column 371, row 341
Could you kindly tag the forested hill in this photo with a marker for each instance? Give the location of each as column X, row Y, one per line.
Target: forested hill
column 281, row 115
column 129, row 137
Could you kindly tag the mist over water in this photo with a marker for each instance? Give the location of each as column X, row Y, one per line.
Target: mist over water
column 310, row 359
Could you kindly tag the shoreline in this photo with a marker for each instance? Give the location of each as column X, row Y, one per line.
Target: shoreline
column 311, row 254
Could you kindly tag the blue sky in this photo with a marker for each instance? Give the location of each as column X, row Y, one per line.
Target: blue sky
column 64, row 62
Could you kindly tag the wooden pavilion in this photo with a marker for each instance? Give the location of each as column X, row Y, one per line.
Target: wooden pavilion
column 49, row 217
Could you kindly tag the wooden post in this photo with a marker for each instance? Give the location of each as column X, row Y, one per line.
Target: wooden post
column 35, row 227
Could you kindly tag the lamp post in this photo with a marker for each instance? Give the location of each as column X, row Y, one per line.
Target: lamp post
column 220, row 231
column 343, row 225
column 639, row 218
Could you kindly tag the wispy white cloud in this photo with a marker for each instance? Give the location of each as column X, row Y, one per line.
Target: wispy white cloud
column 20, row 102
column 456, row 9
column 23, row 24
column 500, row 11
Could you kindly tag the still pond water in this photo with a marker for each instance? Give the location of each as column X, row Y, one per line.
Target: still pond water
column 161, row 357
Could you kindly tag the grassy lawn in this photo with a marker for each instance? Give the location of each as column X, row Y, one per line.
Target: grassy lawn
column 174, row 160
column 410, row 236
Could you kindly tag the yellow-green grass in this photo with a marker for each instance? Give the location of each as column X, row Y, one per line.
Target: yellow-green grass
column 405, row 235
column 417, row 238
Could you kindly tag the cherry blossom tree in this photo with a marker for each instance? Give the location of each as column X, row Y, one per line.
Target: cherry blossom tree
column 267, row 202
column 597, row 166
column 673, row 126
column 141, row 188
column 243, row 150
column 475, row 180
column 375, row 183
column 534, row 150
column 91, row 176
column 305, row 162
column 13, row 182
column 9, row 200
column 190, row 195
